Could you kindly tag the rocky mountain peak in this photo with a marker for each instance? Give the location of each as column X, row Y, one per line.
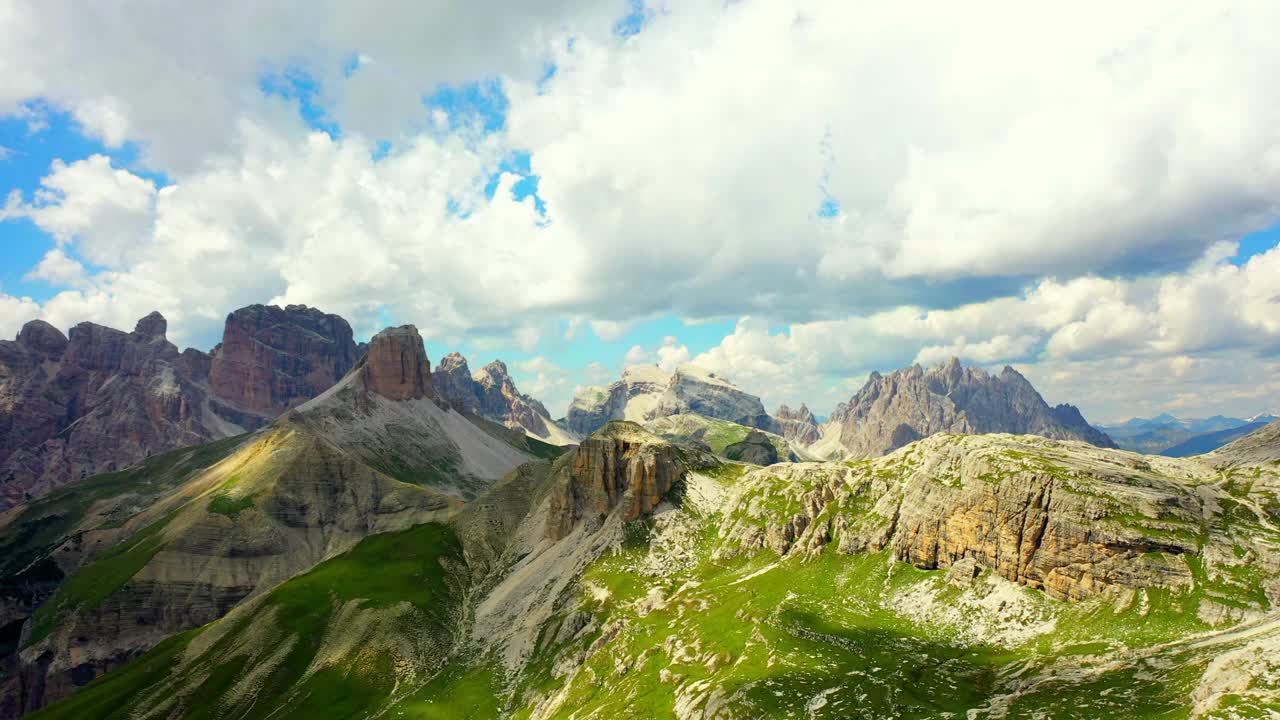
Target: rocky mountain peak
column 152, row 326
column 40, row 337
column 906, row 405
column 396, row 365
column 453, row 361
column 454, row 384
column 491, row 393
column 784, row 412
column 647, row 392
column 497, row 369
column 799, row 426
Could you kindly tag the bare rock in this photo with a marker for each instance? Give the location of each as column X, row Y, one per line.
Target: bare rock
column 272, row 359
column 396, row 365
column 646, row 393
column 798, row 426
column 893, row 410
column 621, row 466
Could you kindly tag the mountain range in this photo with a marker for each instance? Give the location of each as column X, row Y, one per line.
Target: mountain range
column 1166, row 434
column 404, row 542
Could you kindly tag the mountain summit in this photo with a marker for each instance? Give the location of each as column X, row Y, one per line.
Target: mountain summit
column 646, row 392
column 913, row 403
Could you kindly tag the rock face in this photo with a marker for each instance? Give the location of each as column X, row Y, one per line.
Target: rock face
column 755, row 449
column 272, row 359
column 1062, row 517
column 798, row 426
column 913, row 403
column 396, row 365
column 492, row 394
column 619, row 466
column 647, row 393
column 452, row 379
column 104, row 399
column 98, row 401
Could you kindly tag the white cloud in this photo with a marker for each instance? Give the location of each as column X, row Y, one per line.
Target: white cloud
column 637, row 355
column 1002, row 175
column 107, row 212
column 14, row 313
column 5, row 153
column 985, row 352
column 1084, row 335
column 669, row 355
column 58, row 268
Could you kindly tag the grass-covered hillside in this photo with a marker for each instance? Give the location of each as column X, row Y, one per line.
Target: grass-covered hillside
column 960, row 577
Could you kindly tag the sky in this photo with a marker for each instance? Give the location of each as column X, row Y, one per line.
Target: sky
column 791, row 193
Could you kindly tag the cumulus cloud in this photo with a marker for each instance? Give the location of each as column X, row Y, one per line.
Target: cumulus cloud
column 669, row 355
column 107, row 212
column 14, row 313
column 58, row 268
column 891, row 183
column 1215, row 317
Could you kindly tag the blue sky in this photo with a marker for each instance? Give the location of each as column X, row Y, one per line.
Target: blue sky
column 669, row 189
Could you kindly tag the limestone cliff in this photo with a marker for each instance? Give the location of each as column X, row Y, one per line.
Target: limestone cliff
column 1064, row 517
column 100, row 400
column 274, row 358
column 621, row 466
column 646, row 393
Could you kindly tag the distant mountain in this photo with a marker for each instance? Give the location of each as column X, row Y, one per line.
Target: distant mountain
column 103, row 398
column 913, row 403
column 646, row 392
column 1207, row 442
column 1259, row 447
column 1165, row 431
column 492, row 394
column 799, row 426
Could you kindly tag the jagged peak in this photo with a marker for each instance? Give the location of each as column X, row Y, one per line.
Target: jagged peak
column 153, row 325
column 496, row 368
column 452, row 361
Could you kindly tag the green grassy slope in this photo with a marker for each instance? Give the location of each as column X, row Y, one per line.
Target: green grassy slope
column 28, row 570
column 340, row 641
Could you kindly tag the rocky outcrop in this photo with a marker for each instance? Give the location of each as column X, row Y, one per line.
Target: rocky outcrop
column 913, row 403
column 100, row 400
column 798, row 426
column 272, row 359
column 491, row 393
column 452, row 379
column 1262, row 446
column 755, row 448
column 1065, row 518
column 646, row 393
column 621, row 468
column 396, row 365
column 104, row 399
